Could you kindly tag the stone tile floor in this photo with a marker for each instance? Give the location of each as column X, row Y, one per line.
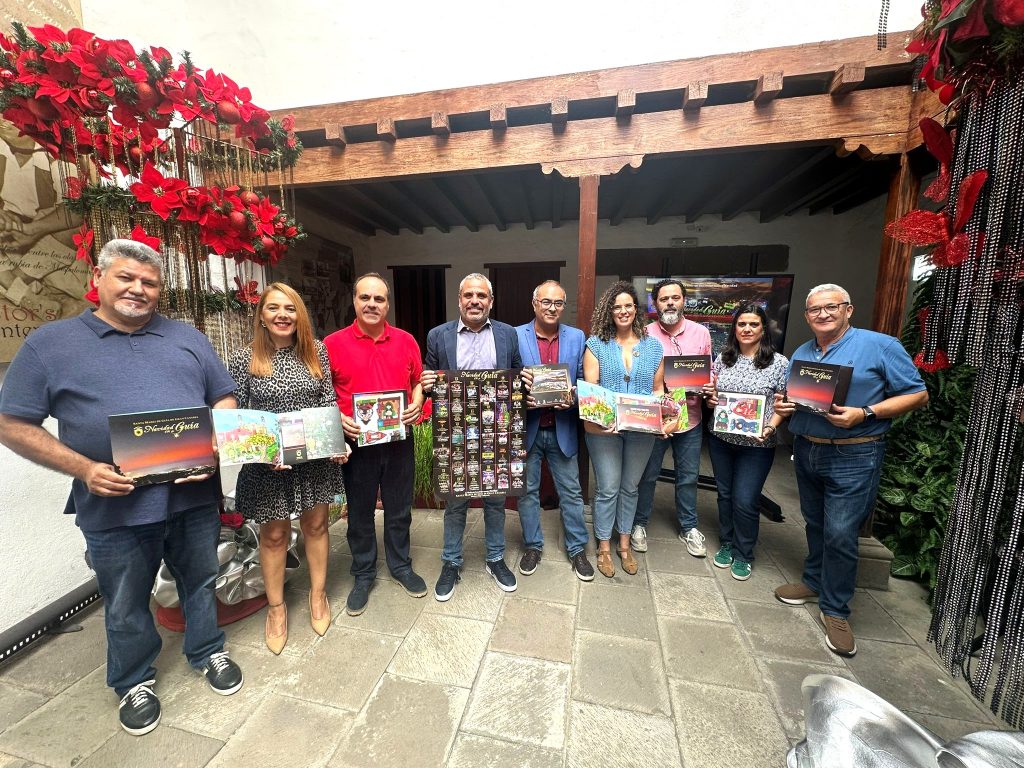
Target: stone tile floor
column 679, row 665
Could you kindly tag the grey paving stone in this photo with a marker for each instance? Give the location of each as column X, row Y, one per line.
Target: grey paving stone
column 389, row 611
column 165, row 747
column 358, row 661
column 536, row 629
column 553, row 581
column 427, row 532
column 627, row 612
column 188, row 703
column 869, row 620
column 694, row 596
column 285, row 732
column 16, row 703
column 600, row 736
column 10, row 761
column 251, row 631
column 764, row 578
column 405, row 722
column 476, row 597
column 69, row 727
column 907, row 603
column 471, row 751
column 670, row 556
column 908, row 678
column 639, row 580
column 707, row 652
column 948, row 729
column 739, row 728
column 782, row 632
column 442, row 649
column 52, row 664
column 520, row 699
column 783, row 680
column 619, row 672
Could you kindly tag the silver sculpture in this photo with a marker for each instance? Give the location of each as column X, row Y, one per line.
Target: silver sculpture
column 848, row 726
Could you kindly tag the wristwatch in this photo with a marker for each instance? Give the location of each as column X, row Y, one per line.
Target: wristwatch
column 868, row 413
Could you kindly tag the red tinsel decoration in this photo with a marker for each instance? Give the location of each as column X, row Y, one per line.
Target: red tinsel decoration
column 939, row 363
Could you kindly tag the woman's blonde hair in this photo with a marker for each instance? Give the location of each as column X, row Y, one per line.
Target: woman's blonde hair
column 263, row 346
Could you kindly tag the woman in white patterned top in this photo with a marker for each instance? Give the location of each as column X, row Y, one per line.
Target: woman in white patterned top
column 747, row 365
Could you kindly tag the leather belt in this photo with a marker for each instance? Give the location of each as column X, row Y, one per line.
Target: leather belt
column 843, row 440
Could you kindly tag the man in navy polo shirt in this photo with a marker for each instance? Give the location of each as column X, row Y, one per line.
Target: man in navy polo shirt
column 125, row 358
column 839, row 456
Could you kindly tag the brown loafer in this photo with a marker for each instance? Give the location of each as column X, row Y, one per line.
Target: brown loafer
column 604, row 563
column 629, row 565
column 320, row 626
column 276, row 643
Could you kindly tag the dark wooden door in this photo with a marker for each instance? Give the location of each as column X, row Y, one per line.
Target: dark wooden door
column 513, row 288
column 419, row 299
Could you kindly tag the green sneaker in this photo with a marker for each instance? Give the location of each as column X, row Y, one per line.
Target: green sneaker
column 740, row 570
column 723, row 559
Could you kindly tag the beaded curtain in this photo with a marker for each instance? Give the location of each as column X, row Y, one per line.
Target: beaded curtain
column 977, row 318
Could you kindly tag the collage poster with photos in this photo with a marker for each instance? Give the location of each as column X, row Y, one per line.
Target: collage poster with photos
column 479, row 428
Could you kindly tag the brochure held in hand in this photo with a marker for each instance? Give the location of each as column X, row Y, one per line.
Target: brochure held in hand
column 739, row 414
column 816, row 387
column 160, row 446
column 551, row 385
column 247, row 436
column 379, row 417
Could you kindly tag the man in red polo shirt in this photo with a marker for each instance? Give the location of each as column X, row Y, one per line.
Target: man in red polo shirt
column 372, row 356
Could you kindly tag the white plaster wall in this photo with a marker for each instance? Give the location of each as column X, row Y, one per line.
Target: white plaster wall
column 824, row 248
column 41, row 549
column 320, row 51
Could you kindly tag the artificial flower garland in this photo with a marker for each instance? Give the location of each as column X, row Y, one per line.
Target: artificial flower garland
column 107, row 108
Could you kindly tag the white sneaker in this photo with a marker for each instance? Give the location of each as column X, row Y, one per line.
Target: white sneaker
column 638, row 539
column 694, row 541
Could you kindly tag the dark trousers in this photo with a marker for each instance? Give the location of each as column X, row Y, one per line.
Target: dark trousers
column 126, row 560
column 387, row 468
column 740, row 472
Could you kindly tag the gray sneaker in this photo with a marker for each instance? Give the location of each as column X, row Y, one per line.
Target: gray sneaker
column 638, row 539
column 694, row 541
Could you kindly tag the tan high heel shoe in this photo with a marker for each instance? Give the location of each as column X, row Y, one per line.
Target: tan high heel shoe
column 276, row 643
column 629, row 564
column 320, row 626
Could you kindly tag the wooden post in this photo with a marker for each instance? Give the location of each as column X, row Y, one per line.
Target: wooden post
column 585, row 285
column 894, row 268
column 587, row 251
column 894, row 264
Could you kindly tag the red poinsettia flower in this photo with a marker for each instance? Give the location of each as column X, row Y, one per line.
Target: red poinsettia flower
column 1009, row 13
column 939, row 362
column 231, row 519
column 160, row 192
column 952, row 245
column 74, row 188
column 83, row 241
column 139, row 235
column 93, row 295
column 940, row 145
column 249, row 292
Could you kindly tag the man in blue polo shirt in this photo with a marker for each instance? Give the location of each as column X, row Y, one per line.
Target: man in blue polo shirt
column 839, row 456
column 125, row 358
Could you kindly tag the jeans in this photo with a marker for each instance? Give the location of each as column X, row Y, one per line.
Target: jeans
column 387, row 468
column 686, row 459
column 126, row 560
column 566, row 474
column 619, row 462
column 455, row 527
column 838, row 485
column 740, row 472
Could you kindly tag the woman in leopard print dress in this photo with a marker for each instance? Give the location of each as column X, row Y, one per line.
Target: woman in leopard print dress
column 285, row 369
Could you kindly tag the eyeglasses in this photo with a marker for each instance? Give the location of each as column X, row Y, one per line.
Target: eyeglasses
column 828, row 309
column 620, row 309
column 548, row 303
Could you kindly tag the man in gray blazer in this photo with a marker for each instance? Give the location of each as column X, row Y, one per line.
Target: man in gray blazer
column 473, row 342
column 551, row 433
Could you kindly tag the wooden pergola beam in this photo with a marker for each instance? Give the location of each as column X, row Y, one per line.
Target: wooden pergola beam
column 666, row 197
column 335, row 135
column 559, row 111
column 556, row 201
column 498, row 117
column 768, row 86
column 762, row 193
column 694, row 95
column 364, row 207
column 791, row 206
column 449, row 194
column 790, row 122
column 809, row 59
column 524, row 196
column 331, row 210
column 428, row 211
column 439, row 124
column 388, row 208
column 619, row 212
column 895, row 261
column 846, row 78
column 625, row 103
column 486, row 196
column 386, row 129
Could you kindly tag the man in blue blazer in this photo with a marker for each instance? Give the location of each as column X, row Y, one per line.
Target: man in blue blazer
column 473, row 342
column 551, row 433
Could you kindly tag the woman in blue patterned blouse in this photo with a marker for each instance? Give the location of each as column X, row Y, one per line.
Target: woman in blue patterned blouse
column 620, row 356
column 748, row 364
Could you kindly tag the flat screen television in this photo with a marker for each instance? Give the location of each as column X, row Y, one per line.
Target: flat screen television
column 711, row 301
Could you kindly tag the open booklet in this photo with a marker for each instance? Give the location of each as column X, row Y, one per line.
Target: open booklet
column 260, row 437
column 621, row 412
